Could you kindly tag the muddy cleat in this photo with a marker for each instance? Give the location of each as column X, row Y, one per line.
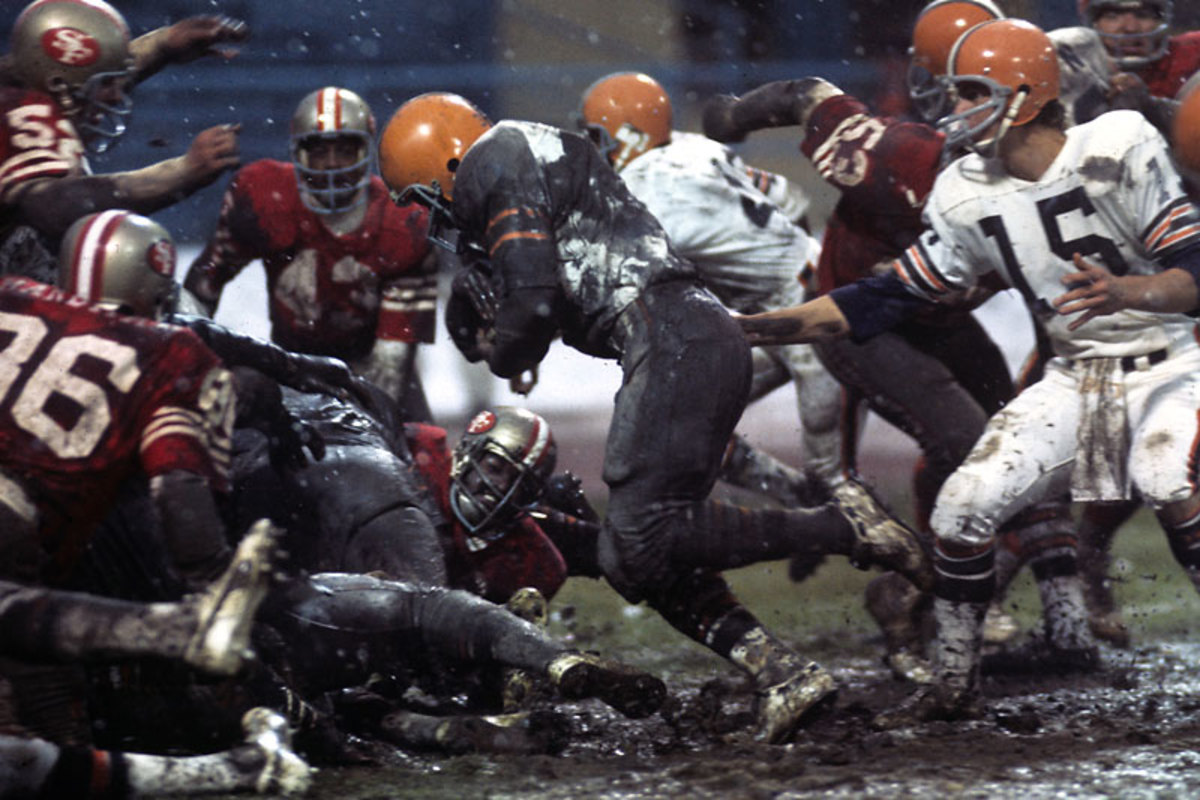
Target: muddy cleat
column 1110, row 628
column 634, row 693
column 786, row 706
column 225, row 610
column 284, row 772
column 938, row 701
column 879, row 538
column 530, row 605
column 998, row 626
column 909, row 666
column 526, row 733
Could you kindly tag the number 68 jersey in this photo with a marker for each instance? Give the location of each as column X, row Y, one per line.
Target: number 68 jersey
column 88, row 396
column 1111, row 195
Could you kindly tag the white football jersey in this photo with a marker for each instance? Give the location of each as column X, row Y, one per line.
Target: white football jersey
column 1111, row 195
column 746, row 248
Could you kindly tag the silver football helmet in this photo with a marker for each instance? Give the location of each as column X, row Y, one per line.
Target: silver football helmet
column 77, row 51
column 499, row 469
column 1158, row 38
column 331, row 115
column 119, row 260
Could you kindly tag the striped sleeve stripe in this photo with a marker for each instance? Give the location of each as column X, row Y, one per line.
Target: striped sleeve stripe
column 175, row 421
column 515, row 235
column 1163, row 232
column 916, row 270
column 394, row 306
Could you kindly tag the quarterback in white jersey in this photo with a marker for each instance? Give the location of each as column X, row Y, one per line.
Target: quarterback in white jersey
column 737, row 225
column 1117, row 408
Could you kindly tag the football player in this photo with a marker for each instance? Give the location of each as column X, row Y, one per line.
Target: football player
column 937, row 376
column 557, row 245
column 736, row 225
column 349, row 273
column 71, row 69
column 1115, row 411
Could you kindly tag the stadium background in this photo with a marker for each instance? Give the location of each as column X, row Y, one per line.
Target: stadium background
column 524, row 59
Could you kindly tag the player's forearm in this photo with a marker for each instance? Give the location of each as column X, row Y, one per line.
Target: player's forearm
column 815, row 320
column 772, row 105
column 149, row 53
column 1172, row 291
column 51, row 205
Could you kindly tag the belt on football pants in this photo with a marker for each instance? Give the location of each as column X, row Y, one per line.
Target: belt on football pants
column 1137, row 363
column 1134, row 363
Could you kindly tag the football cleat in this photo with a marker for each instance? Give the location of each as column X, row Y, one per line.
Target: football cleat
column 879, row 538
column 225, row 610
column 786, row 706
column 937, row 701
column 283, row 772
column 579, row 675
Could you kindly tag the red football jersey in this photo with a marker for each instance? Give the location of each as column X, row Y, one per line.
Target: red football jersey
column 36, row 141
column 87, row 397
column 524, row 556
column 885, row 169
column 330, row 294
column 1166, row 76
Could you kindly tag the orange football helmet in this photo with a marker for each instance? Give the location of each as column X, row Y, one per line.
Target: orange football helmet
column 625, row 114
column 938, row 27
column 425, row 140
column 1015, row 64
column 1185, row 131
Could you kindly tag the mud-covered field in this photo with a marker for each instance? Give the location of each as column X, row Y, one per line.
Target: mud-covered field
column 1130, row 731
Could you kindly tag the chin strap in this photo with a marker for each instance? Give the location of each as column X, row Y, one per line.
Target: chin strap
column 990, row 147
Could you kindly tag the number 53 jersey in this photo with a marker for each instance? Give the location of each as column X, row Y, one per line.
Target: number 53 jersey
column 87, row 397
column 1111, row 195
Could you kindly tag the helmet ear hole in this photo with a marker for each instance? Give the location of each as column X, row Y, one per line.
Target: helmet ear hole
column 452, row 164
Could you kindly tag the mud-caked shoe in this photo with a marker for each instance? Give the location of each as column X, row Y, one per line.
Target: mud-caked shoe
column 786, row 706
column 1110, row 627
column 908, row 666
column 579, row 675
column 524, row 733
column 283, row 772
column 879, row 538
column 521, row 688
column 936, row 701
column 225, row 610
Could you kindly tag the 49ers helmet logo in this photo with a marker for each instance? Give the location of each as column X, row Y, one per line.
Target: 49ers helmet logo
column 483, row 422
column 161, row 257
column 70, row 46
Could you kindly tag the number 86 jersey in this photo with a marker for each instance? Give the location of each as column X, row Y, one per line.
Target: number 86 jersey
column 1111, row 195
column 88, row 396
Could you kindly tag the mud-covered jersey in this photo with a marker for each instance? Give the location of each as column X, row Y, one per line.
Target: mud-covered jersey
column 89, row 397
column 749, row 254
column 330, row 294
column 551, row 213
column 1111, row 195
column 494, row 568
column 1084, row 73
column 36, row 142
column 885, row 169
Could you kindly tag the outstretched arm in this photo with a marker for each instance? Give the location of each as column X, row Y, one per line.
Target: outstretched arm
column 772, row 105
column 809, row 322
column 186, row 40
column 52, row 204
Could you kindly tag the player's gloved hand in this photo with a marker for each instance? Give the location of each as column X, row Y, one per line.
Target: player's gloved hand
column 564, row 491
column 200, row 36
column 1128, row 91
column 289, row 440
column 718, row 119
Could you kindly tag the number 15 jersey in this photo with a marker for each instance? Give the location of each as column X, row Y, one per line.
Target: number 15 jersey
column 1111, row 195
